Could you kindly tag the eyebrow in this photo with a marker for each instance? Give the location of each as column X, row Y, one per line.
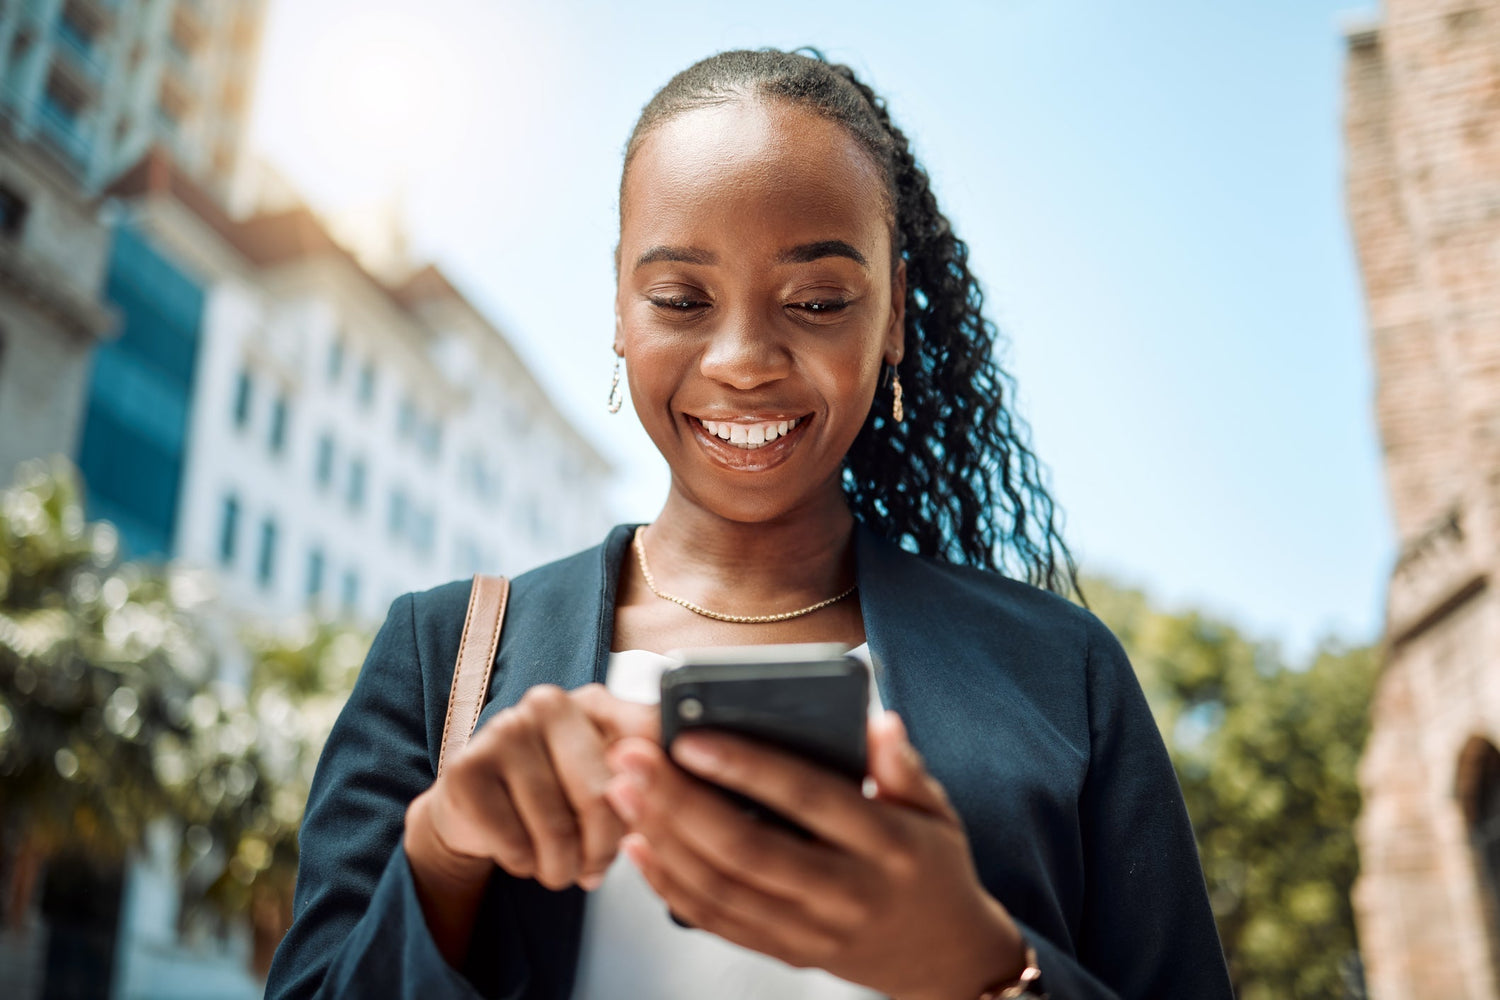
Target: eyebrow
column 677, row 255
column 804, row 253
column 809, row 252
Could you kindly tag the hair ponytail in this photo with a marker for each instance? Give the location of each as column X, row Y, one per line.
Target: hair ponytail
column 957, row 479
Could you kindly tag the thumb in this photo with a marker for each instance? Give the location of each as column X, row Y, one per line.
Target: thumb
column 898, row 770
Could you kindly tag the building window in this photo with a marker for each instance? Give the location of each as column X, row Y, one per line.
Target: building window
column 73, row 32
column 229, row 529
column 406, row 417
column 356, row 495
column 13, row 210
column 244, row 390
column 349, row 596
column 265, row 565
column 336, row 359
column 367, row 383
column 423, row 531
column 398, row 513
column 324, row 470
column 432, row 438
column 278, row 424
column 1479, row 792
column 314, row 574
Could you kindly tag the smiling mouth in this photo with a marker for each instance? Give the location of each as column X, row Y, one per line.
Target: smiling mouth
column 749, row 436
column 749, row 445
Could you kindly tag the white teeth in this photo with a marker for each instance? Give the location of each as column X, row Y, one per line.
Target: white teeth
column 748, row 436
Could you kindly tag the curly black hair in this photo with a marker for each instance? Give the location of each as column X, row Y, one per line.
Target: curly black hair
column 957, row 479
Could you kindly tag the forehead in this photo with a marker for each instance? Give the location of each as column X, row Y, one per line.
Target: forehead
column 751, row 171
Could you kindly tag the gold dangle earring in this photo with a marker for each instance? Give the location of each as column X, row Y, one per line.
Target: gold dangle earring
column 616, row 396
column 898, row 412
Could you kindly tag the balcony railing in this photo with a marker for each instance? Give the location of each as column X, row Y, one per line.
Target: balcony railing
column 80, row 50
column 61, row 130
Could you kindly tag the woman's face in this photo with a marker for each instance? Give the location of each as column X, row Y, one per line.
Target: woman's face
column 756, row 302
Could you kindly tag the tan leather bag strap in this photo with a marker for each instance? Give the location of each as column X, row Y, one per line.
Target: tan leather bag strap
column 476, row 656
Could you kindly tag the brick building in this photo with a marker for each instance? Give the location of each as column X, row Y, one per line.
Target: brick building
column 1422, row 129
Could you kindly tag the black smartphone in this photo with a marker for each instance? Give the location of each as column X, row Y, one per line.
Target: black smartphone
column 810, row 699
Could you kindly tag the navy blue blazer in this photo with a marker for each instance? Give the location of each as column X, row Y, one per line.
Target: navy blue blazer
column 1024, row 706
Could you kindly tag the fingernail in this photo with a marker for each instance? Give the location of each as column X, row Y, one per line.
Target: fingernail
column 696, row 754
column 589, row 883
column 625, row 797
column 635, row 767
column 633, row 847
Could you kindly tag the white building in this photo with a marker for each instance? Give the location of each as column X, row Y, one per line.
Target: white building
column 351, row 439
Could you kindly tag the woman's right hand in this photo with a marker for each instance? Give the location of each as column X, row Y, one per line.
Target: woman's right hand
column 526, row 794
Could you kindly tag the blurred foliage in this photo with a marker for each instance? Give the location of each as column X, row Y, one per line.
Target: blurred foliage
column 98, row 669
column 257, row 767
column 1266, row 755
column 114, row 713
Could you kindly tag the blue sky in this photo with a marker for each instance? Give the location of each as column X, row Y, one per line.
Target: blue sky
column 1152, row 193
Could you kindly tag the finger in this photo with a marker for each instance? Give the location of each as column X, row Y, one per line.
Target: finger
column 898, row 769
column 537, row 794
column 826, row 804
column 784, row 937
column 616, row 718
column 576, row 748
column 472, row 814
column 682, row 815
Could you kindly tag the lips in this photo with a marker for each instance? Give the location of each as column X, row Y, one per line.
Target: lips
column 749, row 444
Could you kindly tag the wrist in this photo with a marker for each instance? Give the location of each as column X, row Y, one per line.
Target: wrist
column 991, row 961
column 432, row 862
column 449, row 886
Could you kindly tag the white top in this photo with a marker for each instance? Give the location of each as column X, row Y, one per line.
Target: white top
column 632, row 950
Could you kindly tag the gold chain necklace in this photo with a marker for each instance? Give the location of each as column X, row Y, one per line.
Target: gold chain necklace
column 698, row 609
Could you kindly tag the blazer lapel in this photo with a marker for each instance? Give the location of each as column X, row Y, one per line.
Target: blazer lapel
column 559, row 624
column 887, row 614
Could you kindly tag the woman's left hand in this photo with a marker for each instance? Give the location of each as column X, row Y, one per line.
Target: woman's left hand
column 886, row 896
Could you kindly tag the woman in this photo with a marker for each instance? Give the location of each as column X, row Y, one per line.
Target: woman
column 805, row 347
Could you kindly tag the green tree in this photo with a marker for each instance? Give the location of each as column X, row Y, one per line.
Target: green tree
column 255, row 761
column 113, row 714
column 98, row 664
column 1266, row 755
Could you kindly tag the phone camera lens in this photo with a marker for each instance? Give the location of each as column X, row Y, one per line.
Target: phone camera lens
column 690, row 709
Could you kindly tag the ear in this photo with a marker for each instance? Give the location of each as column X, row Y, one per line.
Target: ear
column 619, row 344
column 895, row 334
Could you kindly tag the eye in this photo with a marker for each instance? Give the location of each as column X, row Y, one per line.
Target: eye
column 677, row 303
column 821, row 307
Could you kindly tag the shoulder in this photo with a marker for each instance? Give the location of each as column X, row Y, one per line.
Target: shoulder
column 971, row 597
column 437, row 614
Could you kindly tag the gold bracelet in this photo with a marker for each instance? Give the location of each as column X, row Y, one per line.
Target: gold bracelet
column 1019, row 988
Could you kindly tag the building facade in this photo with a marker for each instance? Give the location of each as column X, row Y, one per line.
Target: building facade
column 53, row 254
column 86, row 87
column 101, row 81
column 1422, row 130
column 340, row 438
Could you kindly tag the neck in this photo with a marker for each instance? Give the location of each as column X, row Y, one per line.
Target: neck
column 804, row 553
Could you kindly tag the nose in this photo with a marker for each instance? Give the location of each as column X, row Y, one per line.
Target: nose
column 744, row 352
